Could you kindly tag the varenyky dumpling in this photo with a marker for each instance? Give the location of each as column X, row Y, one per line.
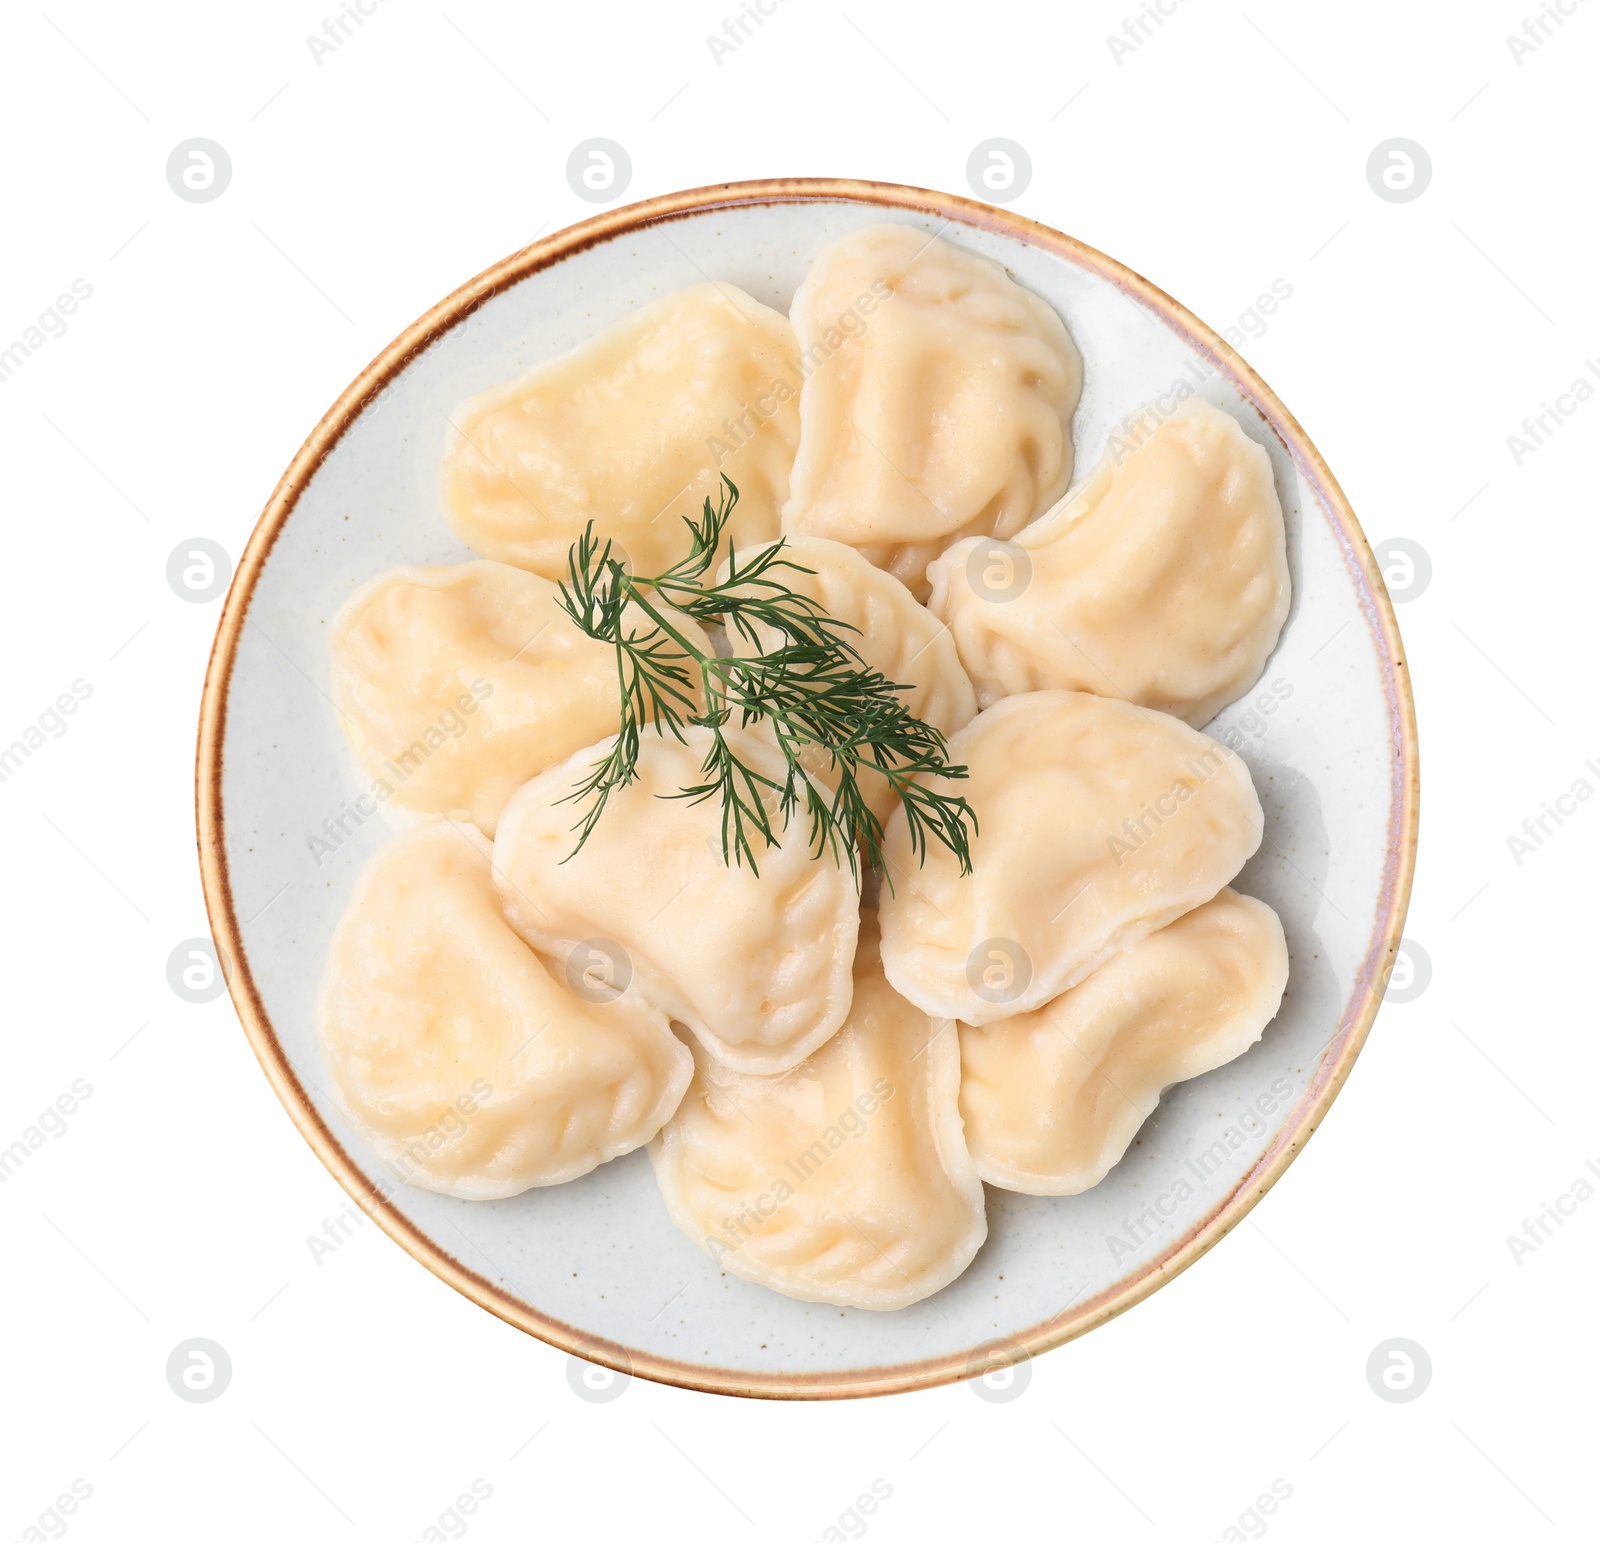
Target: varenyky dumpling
column 757, row 965
column 1098, row 823
column 846, row 1180
column 1162, row 580
column 938, row 400
column 632, row 430
column 467, row 1060
column 1052, row 1098
column 456, row 685
column 893, row 635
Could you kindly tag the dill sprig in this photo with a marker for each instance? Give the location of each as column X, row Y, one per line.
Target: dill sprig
column 805, row 679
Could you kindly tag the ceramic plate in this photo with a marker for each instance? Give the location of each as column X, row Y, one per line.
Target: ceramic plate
column 595, row 1267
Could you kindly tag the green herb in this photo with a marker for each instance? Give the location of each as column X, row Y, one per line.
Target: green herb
column 810, row 684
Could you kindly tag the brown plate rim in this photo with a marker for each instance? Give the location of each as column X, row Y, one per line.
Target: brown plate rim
column 1080, row 1317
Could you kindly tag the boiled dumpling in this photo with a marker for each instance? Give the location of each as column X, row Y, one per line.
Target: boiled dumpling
column 1098, row 823
column 1163, row 580
column 633, row 430
column 893, row 635
column 938, row 400
column 1052, row 1098
column 756, row 964
column 456, row 685
column 846, row 1180
column 471, row 1064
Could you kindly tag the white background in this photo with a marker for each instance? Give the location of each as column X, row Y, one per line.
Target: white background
column 1228, row 150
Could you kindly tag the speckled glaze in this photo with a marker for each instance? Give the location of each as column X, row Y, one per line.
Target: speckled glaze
column 595, row 1267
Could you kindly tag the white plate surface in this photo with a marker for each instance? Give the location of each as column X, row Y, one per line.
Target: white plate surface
column 600, row 1255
